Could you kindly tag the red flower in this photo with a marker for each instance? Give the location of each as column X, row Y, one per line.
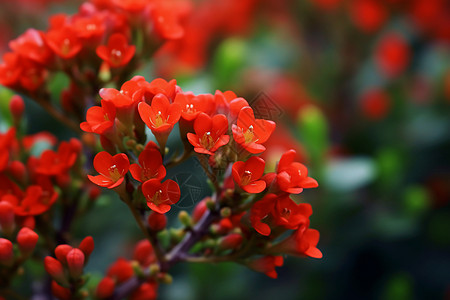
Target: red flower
column 267, row 265
column 292, row 176
column 151, row 166
column 392, row 55
column 368, row 15
column 37, row 200
column 375, row 104
column 31, row 45
column 64, row 42
column 57, row 163
column 250, row 133
column 117, row 53
column 10, row 69
column 290, row 215
column 209, row 133
column 192, row 105
column 161, row 116
column 260, row 210
column 228, row 103
column 303, row 242
column 99, row 119
column 161, row 195
column 246, row 174
column 112, row 169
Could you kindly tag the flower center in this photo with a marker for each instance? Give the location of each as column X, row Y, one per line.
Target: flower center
column 65, row 48
column 159, row 120
column 249, row 135
column 207, row 141
column 114, row 173
column 286, row 212
column 157, row 197
column 246, row 178
column 116, row 56
column 190, row 109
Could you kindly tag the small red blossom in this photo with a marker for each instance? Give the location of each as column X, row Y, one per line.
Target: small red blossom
column 31, row 45
column 160, row 196
column 161, row 116
column 392, row 55
column 368, row 15
column 57, row 163
column 64, row 42
column 375, row 104
column 303, row 242
column 117, row 52
column 292, row 177
column 99, row 119
column 290, row 215
column 151, row 166
column 247, row 174
column 260, row 210
column 251, row 133
column 192, row 105
column 266, row 265
column 112, row 169
column 209, row 133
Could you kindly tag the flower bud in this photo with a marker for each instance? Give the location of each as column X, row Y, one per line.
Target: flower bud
column 75, row 262
column 156, row 221
column 7, row 217
column 17, row 106
column 87, row 246
column 18, row 170
column 231, row 241
column 55, row 269
column 146, row 290
column 199, row 210
column 6, row 252
column 27, row 240
column 105, row 288
column 60, row 292
column 61, row 253
column 143, row 253
column 184, row 218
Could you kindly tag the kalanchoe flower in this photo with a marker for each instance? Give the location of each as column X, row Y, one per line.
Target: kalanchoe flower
column 151, row 166
column 31, row 45
column 57, row 163
column 247, row 174
column 112, row 169
column 161, row 116
column 251, row 133
column 209, row 133
column 192, row 105
column 118, row 52
column 160, row 196
column 292, row 177
column 266, row 265
column 260, row 210
column 303, row 242
column 290, row 215
column 99, row 119
column 64, row 42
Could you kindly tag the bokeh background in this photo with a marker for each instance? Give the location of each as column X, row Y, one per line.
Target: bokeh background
column 361, row 89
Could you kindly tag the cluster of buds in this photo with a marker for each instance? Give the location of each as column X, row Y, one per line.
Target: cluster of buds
column 66, row 270
column 250, row 211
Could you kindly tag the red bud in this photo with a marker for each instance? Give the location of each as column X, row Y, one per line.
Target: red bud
column 7, row 217
column 61, row 253
column 55, row 269
column 199, row 210
column 60, row 292
column 27, row 240
column 143, row 253
column 6, row 252
column 146, row 291
column 156, row 221
column 75, row 262
column 105, row 288
column 231, row 241
column 17, row 106
column 87, row 246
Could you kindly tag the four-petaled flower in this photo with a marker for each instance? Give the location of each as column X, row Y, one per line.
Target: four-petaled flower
column 251, row 133
column 161, row 116
column 112, row 169
column 209, row 133
column 117, row 52
column 151, row 166
column 160, row 196
column 247, row 174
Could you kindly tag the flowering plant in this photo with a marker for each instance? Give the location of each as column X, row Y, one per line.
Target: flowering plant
column 121, row 145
